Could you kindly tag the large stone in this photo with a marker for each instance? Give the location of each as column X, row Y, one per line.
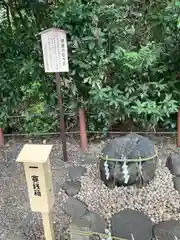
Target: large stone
column 72, row 188
column 176, row 181
column 74, row 233
column 173, row 163
column 92, row 222
column 131, row 146
column 75, row 173
column 75, row 208
column 168, row 230
column 89, row 222
column 129, row 224
column 88, row 158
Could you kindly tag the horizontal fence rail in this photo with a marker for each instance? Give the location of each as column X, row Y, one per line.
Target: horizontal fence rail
column 90, row 132
column 47, row 113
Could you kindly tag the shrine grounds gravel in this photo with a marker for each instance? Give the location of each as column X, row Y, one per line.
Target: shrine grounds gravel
column 16, row 219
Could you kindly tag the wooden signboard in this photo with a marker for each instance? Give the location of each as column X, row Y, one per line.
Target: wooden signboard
column 54, row 46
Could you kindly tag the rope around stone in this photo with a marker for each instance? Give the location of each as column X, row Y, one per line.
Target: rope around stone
column 106, row 158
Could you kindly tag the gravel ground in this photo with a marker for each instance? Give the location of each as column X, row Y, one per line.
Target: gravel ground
column 159, row 200
column 18, row 222
column 16, row 219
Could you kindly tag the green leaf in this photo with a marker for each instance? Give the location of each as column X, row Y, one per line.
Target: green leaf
column 178, row 22
column 91, row 45
column 177, row 3
column 131, row 54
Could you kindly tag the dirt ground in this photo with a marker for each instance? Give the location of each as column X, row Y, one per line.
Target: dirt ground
column 16, row 219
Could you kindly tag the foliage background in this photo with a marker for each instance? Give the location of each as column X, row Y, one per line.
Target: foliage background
column 124, row 63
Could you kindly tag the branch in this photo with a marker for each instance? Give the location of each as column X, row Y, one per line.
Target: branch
column 20, row 15
column 8, row 15
column 22, row 20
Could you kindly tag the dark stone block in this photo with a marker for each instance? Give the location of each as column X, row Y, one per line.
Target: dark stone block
column 90, row 221
column 176, row 181
column 167, row 230
column 173, row 163
column 129, row 224
column 76, row 172
column 75, row 208
column 71, row 187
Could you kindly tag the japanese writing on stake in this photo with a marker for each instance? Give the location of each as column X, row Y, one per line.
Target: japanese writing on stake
column 36, row 187
column 54, row 45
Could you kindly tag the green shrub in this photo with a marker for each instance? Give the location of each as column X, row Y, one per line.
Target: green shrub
column 124, row 63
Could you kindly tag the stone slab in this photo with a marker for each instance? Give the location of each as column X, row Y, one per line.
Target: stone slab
column 173, row 163
column 176, row 181
column 128, row 223
column 89, row 222
column 167, row 230
column 92, row 222
column 71, row 188
column 73, row 235
column 88, row 158
column 75, row 173
column 75, row 208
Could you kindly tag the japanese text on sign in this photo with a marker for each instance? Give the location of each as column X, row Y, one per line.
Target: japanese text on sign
column 54, row 45
column 36, row 187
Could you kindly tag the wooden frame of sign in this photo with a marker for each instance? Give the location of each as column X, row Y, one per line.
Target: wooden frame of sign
column 55, row 56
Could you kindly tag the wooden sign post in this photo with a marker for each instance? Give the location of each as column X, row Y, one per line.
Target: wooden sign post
column 1, row 138
column 55, row 56
column 39, row 182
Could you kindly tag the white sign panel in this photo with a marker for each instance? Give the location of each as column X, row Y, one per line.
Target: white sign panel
column 55, row 54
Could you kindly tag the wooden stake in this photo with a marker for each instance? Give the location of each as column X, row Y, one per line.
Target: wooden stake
column 1, row 138
column 83, row 133
column 48, row 226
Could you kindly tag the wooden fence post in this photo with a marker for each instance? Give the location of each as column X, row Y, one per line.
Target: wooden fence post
column 1, row 138
column 178, row 128
column 83, row 133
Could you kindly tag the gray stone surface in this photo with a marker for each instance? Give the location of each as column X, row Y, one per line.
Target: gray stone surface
column 168, row 230
column 173, row 163
column 88, row 158
column 71, row 187
column 74, row 233
column 176, row 181
column 91, row 221
column 128, row 222
column 75, row 208
column 132, row 146
column 77, row 172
